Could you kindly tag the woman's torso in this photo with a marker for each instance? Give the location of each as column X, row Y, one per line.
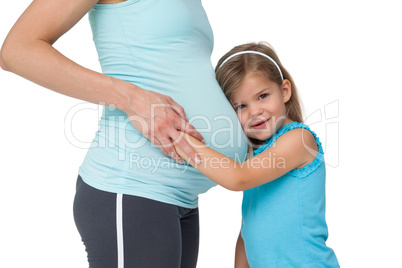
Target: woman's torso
column 163, row 46
column 284, row 220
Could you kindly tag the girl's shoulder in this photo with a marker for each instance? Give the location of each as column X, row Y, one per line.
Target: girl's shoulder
column 297, row 130
column 303, row 138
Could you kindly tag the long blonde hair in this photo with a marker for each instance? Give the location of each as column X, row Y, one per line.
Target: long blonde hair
column 231, row 74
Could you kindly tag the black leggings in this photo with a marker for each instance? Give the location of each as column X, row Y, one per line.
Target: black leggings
column 123, row 231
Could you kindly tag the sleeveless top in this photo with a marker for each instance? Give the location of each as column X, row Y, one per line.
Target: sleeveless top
column 163, row 46
column 284, row 220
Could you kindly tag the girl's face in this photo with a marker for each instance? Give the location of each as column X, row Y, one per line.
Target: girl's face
column 260, row 105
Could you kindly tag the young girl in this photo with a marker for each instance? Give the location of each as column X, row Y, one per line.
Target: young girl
column 283, row 206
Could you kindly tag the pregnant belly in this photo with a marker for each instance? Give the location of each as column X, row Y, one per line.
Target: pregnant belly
column 218, row 126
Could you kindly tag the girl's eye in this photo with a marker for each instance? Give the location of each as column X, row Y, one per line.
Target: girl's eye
column 263, row 96
column 239, row 107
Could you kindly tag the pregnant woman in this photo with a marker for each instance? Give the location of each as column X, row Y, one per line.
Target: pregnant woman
column 136, row 202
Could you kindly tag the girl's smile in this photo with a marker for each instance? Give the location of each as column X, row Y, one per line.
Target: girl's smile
column 260, row 125
column 260, row 105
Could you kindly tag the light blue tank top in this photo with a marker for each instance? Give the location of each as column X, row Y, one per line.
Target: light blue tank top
column 163, row 46
column 284, row 220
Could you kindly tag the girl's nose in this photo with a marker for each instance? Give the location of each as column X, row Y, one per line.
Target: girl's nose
column 256, row 109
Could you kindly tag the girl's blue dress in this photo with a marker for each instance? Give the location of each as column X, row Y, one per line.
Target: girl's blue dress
column 284, row 220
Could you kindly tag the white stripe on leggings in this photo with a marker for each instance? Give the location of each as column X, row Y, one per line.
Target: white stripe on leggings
column 119, row 227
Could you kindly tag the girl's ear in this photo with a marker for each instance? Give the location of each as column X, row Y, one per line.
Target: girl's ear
column 286, row 90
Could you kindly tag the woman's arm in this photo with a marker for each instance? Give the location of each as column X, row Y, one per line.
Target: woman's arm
column 240, row 254
column 28, row 52
column 292, row 150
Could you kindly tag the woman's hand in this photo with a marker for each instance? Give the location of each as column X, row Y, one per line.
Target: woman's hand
column 159, row 118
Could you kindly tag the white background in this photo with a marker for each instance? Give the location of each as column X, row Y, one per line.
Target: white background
column 345, row 57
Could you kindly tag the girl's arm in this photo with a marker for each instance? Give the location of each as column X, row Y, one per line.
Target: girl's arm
column 28, row 52
column 240, row 255
column 292, row 150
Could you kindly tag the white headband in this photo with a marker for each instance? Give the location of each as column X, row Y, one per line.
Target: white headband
column 252, row 52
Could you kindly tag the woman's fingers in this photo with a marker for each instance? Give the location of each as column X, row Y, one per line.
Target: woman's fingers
column 177, row 108
column 184, row 125
column 189, row 129
column 161, row 119
column 187, row 148
column 166, row 133
column 167, row 147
